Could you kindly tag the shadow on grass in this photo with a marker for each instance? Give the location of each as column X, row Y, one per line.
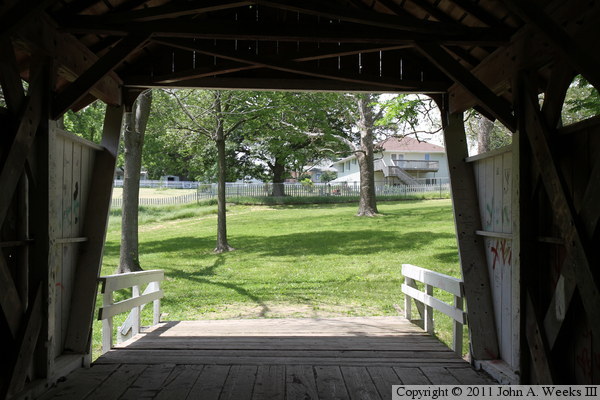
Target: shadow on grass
column 202, row 276
column 298, row 244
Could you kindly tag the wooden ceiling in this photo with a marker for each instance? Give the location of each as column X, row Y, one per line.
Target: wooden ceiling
column 424, row 46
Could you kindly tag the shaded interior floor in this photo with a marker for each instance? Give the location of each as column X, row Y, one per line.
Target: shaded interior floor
column 343, row 358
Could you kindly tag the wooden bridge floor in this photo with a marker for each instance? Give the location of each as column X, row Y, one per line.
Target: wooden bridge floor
column 341, row 358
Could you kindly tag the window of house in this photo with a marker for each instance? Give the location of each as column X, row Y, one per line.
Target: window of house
column 342, row 167
column 354, row 162
column 348, row 164
column 427, row 156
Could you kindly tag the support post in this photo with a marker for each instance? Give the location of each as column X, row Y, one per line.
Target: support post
column 457, row 336
column 135, row 311
column 96, row 219
column 156, row 305
column 482, row 326
column 429, row 312
column 107, row 324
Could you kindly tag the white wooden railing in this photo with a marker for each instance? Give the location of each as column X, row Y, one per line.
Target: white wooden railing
column 133, row 305
column 426, row 303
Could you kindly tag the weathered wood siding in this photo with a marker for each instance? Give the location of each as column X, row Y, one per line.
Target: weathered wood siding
column 493, row 176
column 71, row 160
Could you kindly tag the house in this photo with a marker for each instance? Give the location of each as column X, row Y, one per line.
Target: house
column 402, row 161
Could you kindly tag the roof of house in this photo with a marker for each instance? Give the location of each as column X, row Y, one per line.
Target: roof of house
column 410, row 145
column 404, row 145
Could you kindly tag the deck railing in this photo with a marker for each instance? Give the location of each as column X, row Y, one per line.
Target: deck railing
column 426, row 303
column 418, row 165
column 133, row 305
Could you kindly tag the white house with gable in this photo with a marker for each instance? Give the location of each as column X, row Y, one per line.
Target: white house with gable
column 402, row 161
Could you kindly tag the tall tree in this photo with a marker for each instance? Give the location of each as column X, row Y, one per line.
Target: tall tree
column 135, row 127
column 292, row 130
column 215, row 115
column 367, row 205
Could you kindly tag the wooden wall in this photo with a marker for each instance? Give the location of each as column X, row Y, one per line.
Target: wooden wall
column 494, row 181
column 71, row 161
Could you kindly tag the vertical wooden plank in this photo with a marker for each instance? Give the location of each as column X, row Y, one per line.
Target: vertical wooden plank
column 300, row 382
column 239, row 383
column 484, row 340
column 96, row 219
column 210, row 382
column 429, row 312
column 270, row 383
column 56, row 216
column 507, row 192
column 498, row 194
column 66, row 249
column 330, row 383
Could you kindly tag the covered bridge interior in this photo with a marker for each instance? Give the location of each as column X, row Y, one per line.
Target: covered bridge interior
column 512, row 60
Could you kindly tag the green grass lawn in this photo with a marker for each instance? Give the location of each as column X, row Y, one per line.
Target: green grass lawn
column 300, row 261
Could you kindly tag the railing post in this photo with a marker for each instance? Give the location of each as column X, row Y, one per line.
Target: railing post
column 156, row 304
column 107, row 324
column 135, row 312
column 457, row 337
column 429, row 311
column 407, row 306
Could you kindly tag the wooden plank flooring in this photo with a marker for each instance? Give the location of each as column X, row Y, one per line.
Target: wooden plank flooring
column 264, row 359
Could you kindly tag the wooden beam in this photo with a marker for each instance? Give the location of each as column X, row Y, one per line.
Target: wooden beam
column 292, row 67
column 370, row 18
column 528, row 50
column 538, row 348
column 294, row 84
column 89, row 263
column 556, row 91
column 10, row 79
column 20, row 146
column 580, row 269
column 175, row 10
column 71, row 57
column 20, row 13
column 482, row 325
column 80, row 88
column 9, row 299
column 212, row 29
column 476, row 11
column 584, row 61
column 433, row 10
column 27, row 344
column 495, row 105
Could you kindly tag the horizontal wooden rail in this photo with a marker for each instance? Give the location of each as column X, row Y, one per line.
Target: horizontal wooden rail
column 426, row 303
column 134, row 305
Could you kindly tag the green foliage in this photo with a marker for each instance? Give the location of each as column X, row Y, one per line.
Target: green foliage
column 87, row 122
column 582, row 101
column 309, row 259
column 328, row 176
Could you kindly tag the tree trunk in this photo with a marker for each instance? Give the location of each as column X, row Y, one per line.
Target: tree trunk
column 133, row 141
column 222, row 244
column 484, row 134
column 278, row 178
column 367, row 206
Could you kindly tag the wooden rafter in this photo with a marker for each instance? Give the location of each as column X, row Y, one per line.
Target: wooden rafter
column 174, row 10
column 72, row 58
column 80, row 88
column 584, row 61
column 495, row 105
column 332, row 33
column 20, row 13
column 476, row 11
column 410, row 24
column 298, row 68
column 432, row 10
